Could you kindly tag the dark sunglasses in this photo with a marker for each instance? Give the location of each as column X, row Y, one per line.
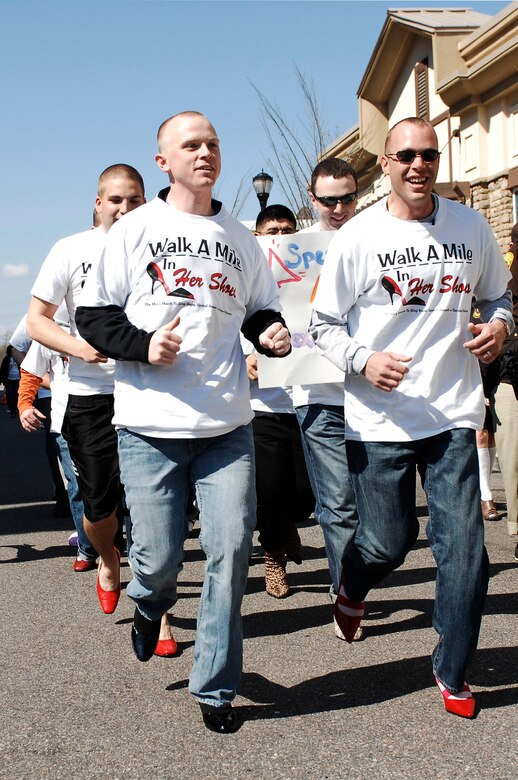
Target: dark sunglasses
column 408, row 156
column 331, row 201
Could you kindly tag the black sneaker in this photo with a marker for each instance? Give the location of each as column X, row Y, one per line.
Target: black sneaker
column 516, row 553
column 222, row 720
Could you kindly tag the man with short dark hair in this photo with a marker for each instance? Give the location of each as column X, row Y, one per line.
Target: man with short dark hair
column 393, row 311
column 320, row 407
column 178, row 281
column 333, row 193
column 284, row 496
column 275, row 220
column 87, row 426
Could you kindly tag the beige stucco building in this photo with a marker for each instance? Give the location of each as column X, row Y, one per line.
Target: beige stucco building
column 459, row 69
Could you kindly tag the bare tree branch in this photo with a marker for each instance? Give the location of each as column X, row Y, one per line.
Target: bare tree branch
column 241, row 194
column 296, row 145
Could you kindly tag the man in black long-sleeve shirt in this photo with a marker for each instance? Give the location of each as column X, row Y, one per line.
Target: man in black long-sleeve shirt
column 173, row 289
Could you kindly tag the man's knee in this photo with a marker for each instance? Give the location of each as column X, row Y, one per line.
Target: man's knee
column 387, row 552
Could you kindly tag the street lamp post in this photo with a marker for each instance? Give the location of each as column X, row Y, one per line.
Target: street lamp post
column 262, row 186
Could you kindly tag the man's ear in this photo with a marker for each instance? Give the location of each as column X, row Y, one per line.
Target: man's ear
column 161, row 162
column 384, row 162
column 97, row 205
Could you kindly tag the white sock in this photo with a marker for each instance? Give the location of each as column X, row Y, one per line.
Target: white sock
column 492, row 457
column 484, row 470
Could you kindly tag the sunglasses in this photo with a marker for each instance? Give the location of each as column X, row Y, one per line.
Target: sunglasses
column 407, row 156
column 331, row 201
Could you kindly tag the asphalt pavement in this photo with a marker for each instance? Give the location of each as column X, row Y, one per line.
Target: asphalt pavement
column 75, row 702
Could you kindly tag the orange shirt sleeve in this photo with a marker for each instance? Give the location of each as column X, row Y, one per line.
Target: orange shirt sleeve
column 28, row 389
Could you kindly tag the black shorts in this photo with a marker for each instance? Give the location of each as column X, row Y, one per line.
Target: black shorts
column 92, row 442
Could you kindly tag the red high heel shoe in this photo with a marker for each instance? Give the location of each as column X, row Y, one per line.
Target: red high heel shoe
column 348, row 614
column 166, row 648
column 461, row 703
column 108, row 599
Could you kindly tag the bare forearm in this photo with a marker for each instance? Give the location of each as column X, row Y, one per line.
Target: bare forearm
column 42, row 328
column 47, row 332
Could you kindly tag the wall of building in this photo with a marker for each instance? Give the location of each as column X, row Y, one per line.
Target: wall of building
column 469, row 149
column 488, row 150
column 485, row 153
column 493, row 200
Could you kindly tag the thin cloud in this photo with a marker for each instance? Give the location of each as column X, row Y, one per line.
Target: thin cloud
column 11, row 270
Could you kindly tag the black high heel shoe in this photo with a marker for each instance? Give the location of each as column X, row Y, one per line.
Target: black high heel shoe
column 144, row 636
column 393, row 289
column 389, row 285
column 156, row 275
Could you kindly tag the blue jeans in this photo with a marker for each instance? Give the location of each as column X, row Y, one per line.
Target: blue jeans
column 323, row 439
column 85, row 551
column 384, row 478
column 156, row 474
column 51, row 451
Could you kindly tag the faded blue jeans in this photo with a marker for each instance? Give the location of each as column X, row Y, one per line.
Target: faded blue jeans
column 384, row 478
column 85, row 549
column 156, row 474
column 323, row 439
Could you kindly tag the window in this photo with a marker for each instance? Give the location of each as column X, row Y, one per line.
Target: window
column 421, row 90
column 513, row 118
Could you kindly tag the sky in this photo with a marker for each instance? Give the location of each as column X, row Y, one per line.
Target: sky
column 86, row 83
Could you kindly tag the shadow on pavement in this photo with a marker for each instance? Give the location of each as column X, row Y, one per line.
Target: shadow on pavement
column 32, row 519
column 375, row 684
column 371, row 685
column 27, row 552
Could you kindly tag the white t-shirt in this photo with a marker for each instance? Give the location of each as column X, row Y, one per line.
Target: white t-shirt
column 21, row 341
column 61, row 278
column 407, row 286
column 276, row 400
column 38, row 361
column 329, row 393
column 160, row 262
column 314, row 228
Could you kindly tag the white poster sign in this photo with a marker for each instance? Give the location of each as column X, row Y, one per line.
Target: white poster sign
column 296, row 261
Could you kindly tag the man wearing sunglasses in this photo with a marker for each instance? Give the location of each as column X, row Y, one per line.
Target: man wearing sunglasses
column 334, row 191
column 393, row 311
column 320, row 408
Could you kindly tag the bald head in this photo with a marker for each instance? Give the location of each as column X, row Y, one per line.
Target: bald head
column 413, row 121
column 189, row 154
column 170, row 125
